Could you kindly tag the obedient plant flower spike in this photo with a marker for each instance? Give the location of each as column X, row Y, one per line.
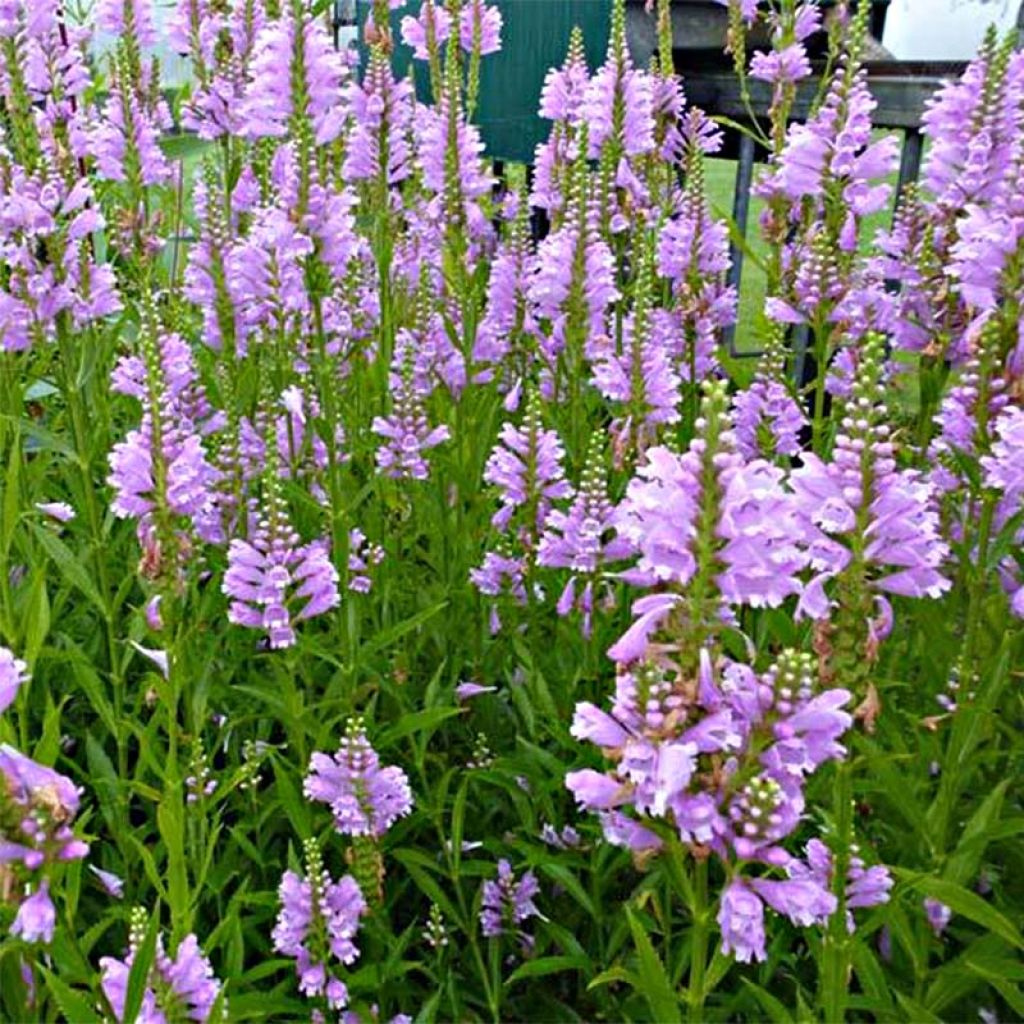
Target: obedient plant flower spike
column 433, row 44
column 23, row 134
column 641, row 377
column 131, row 24
column 576, row 539
column 317, row 923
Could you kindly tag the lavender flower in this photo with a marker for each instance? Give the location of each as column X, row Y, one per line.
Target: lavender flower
column 865, row 887
column 768, row 420
column 274, row 582
column 36, row 917
column 582, row 539
column 184, row 985
column 508, row 902
column 13, row 676
column 938, row 914
column 365, row 798
column 480, row 25
column 433, row 17
column 861, row 491
column 618, row 104
column 741, row 921
column 58, row 510
column 38, row 807
column 296, row 73
column 757, row 546
column 765, row 734
column 406, row 431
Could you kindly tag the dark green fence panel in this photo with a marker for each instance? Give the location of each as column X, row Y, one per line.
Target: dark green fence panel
column 534, row 38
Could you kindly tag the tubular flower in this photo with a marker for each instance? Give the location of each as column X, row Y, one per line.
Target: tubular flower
column 295, row 74
column 862, row 494
column 582, row 539
column 13, row 676
column 382, row 111
column 406, row 431
column 160, row 471
column 754, row 552
column 273, row 582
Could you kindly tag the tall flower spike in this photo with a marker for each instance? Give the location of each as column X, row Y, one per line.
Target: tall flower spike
column 873, row 527
column 723, row 759
column 382, row 109
column 160, row 471
column 180, row 988
column 272, row 581
column 526, row 468
column 693, row 254
column 618, row 105
column 317, row 924
column 640, row 377
column 508, row 902
column 573, row 285
column 507, row 337
column 768, row 419
column 406, row 431
column 581, row 539
column 296, row 82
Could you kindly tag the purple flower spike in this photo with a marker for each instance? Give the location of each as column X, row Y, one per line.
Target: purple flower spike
column 317, row 923
column 365, row 798
column 507, row 903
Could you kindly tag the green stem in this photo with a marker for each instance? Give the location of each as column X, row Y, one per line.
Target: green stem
column 835, row 971
column 700, row 935
column 821, row 339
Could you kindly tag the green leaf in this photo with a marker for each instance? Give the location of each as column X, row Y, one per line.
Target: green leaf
column 963, row 865
column 916, row 1012
column 545, row 965
column 170, row 817
column 183, row 147
column 970, row 905
column 413, row 722
column 138, row 976
column 614, row 975
column 565, row 878
column 36, row 618
column 70, row 568
column 774, row 1010
column 294, row 806
column 73, row 1005
column 654, row 986
column 387, row 637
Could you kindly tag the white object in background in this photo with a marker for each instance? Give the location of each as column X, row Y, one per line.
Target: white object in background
column 943, row 29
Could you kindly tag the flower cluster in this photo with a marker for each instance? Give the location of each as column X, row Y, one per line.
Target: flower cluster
column 182, row 987
column 37, row 806
column 365, row 798
column 507, row 902
column 317, row 923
